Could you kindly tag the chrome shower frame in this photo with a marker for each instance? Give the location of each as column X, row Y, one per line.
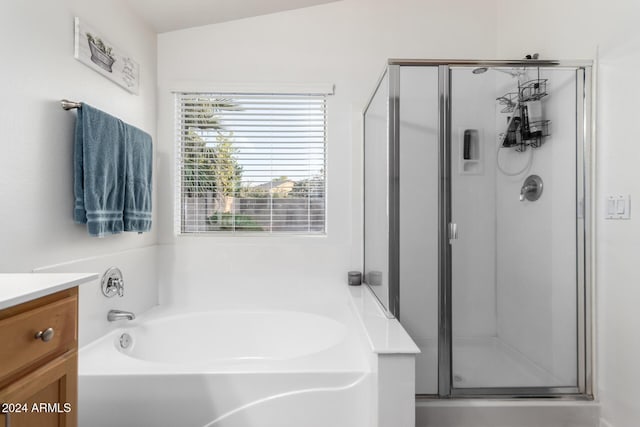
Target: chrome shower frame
column 584, row 224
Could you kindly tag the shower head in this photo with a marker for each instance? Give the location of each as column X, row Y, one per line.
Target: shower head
column 479, row 70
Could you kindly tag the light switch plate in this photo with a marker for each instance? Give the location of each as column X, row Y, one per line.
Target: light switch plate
column 618, row 207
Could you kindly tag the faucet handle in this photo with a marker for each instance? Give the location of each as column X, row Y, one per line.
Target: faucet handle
column 531, row 188
column 112, row 283
column 119, row 285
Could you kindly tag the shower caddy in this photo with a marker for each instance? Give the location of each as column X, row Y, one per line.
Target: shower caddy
column 521, row 131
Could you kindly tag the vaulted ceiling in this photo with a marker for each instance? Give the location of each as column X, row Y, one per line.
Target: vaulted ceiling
column 170, row 15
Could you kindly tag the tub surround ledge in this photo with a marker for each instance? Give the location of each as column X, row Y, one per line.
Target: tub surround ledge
column 16, row 288
column 393, row 358
column 386, row 336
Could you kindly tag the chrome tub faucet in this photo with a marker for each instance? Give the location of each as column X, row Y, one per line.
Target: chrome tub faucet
column 114, row 315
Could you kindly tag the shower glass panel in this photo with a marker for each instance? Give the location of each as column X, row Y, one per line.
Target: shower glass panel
column 418, row 217
column 514, row 287
column 401, row 168
column 376, row 192
column 476, row 222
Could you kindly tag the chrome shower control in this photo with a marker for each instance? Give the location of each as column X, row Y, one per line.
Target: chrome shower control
column 531, row 189
column 112, row 283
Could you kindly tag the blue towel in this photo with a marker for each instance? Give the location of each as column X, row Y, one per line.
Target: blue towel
column 99, row 171
column 137, row 194
column 79, row 213
column 112, row 174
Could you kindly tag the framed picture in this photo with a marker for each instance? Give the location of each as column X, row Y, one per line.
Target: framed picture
column 94, row 50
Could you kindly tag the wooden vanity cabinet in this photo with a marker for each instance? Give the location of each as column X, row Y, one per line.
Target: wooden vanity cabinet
column 39, row 362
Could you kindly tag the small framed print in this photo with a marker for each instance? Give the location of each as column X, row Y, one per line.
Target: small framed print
column 94, row 50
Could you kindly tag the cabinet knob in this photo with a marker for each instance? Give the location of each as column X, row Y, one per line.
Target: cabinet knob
column 45, row 335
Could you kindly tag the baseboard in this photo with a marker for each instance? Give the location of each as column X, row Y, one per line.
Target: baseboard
column 493, row 413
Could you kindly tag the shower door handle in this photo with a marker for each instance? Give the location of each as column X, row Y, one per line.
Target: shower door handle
column 453, row 232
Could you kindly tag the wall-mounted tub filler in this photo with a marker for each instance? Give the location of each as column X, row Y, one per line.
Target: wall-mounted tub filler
column 112, row 283
column 114, row 315
column 531, row 189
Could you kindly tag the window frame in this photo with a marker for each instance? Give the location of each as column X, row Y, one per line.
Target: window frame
column 178, row 141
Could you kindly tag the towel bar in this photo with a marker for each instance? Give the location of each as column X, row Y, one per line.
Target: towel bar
column 70, row 105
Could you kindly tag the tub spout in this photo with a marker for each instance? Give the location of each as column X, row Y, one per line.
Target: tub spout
column 114, row 315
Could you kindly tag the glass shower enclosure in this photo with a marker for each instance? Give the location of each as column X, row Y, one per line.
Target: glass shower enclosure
column 477, row 219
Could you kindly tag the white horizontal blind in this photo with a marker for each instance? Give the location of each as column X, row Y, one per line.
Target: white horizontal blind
column 251, row 163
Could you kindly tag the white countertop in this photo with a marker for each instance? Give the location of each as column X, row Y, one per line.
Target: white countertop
column 386, row 336
column 22, row 287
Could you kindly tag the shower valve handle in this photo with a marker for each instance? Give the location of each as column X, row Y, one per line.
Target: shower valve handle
column 531, row 188
column 113, row 283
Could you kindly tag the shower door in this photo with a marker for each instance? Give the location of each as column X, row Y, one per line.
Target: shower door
column 516, row 197
column 476, row 222
column 401, row 222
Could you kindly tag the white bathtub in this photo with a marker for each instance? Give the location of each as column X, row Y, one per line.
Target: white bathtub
column 238, row 337
column 229, row 368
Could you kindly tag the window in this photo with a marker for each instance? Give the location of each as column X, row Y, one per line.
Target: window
column 251, row 163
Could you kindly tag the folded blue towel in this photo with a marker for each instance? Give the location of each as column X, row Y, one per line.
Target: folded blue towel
column 79, row 213
column 137, row 194
column 99, row 171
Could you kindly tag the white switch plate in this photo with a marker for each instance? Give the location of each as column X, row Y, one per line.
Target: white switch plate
column 618, row 207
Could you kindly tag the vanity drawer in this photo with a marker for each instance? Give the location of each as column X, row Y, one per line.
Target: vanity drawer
column 21, row 348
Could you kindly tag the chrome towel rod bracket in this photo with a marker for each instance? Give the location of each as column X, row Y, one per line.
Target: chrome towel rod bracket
column 70, row 105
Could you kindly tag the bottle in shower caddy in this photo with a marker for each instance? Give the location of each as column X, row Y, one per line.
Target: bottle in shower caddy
column 524, row 113
column 536, row 90
column 512, row 136
column 534, row 116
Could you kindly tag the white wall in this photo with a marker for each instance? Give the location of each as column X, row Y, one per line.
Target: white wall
column 38, row 69
column 617, row 262
column 346, row 43
column 36, row 185
column 138, row 267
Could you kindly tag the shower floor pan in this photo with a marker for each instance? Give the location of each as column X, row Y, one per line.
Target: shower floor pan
column 480, row 362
